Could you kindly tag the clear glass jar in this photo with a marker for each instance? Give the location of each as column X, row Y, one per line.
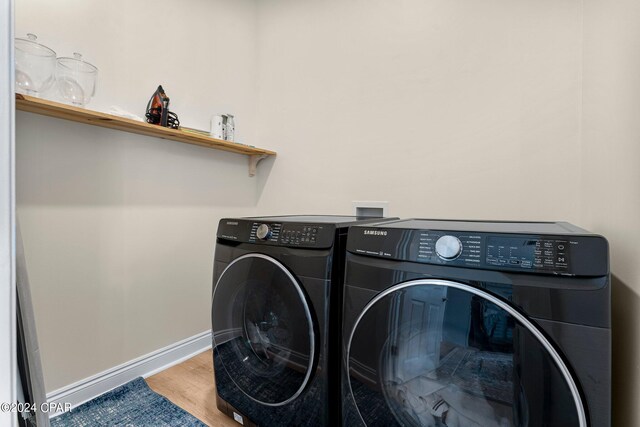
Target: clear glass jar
column 35, row 66
column 76, row 80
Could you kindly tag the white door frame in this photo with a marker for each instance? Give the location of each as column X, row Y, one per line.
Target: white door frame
column 8, row 371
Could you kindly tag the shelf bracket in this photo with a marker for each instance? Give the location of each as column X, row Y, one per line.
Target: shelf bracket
column 254, row 159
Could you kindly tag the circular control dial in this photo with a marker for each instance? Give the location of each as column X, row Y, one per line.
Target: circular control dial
column 263, row 232
column 448, row 247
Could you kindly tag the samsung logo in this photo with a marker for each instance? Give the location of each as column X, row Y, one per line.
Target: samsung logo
column 232, row 222
column 375, row 232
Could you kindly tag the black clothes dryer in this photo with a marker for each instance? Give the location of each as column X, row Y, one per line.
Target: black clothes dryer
column 476, row 324
column 276, row 308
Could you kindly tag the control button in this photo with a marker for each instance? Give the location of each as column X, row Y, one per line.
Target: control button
column 514, row 261
column 562, row 259
column 448, row 247
column 263, row 232
column 561, row 247
column 548, row 253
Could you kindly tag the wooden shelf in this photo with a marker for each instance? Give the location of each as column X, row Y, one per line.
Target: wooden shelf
column 96, row 118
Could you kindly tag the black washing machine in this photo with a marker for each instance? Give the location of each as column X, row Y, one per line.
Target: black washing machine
column 476, row 324
column 277, row 294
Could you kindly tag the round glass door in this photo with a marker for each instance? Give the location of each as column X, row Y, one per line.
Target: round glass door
column 439, row 353
column 263, row 333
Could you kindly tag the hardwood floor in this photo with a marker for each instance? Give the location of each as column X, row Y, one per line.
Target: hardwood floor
column 190, row 385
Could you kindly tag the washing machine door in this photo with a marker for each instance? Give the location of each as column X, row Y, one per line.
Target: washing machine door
column 440, row 353
column 263, row 332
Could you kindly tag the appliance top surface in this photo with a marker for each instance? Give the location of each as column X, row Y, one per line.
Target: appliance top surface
column 338, row 220
column 556, row 228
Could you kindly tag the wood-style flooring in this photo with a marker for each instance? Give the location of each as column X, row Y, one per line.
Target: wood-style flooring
column 190, row 385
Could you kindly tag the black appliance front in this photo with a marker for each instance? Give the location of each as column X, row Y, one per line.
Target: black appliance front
column 276, row 297
column 436, row 343
column 268, row 342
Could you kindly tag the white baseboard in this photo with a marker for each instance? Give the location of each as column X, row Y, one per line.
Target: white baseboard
column 144, row 366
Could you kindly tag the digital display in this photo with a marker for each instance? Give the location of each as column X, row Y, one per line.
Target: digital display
column 511, row 251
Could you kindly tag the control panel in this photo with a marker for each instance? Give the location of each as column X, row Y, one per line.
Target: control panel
column 299, row 234
column 541, row 254
column 265, row 232
column 291, row 234
column 546, row 254
column 522, row 253
column 442, row 247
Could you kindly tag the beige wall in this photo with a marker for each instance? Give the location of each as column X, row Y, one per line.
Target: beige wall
column 610, row 188
column 443, row 108
column 119, row 229
column 500, row 109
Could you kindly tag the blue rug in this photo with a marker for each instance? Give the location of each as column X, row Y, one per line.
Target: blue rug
column 133, row 405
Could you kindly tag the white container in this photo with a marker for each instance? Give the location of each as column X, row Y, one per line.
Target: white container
column 218, row 123
column 230, row 128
